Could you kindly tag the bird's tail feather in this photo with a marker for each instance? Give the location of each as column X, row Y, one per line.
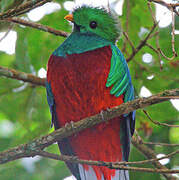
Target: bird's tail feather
column 123, row 175
column 91, row 175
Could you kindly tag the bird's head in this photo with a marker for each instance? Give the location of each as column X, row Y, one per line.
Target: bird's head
column 95, row 21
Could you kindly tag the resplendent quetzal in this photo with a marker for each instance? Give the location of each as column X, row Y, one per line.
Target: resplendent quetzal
column 87, row 74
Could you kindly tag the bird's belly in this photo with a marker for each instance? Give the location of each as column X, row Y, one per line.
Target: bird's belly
column 80, row 85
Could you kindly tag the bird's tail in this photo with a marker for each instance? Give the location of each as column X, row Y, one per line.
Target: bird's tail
column 90, row 174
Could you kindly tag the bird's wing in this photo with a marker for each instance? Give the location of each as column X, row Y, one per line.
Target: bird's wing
column 51, row 102
column 119, row 77
column 120, row 80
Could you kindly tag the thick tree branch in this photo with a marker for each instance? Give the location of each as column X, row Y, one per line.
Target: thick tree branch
column 39, row 144
column 14, row 74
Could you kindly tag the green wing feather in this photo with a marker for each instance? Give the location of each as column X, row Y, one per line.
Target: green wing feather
column 120, row 81
column 119, row 76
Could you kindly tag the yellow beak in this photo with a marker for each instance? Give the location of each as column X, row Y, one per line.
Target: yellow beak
column 69, row 17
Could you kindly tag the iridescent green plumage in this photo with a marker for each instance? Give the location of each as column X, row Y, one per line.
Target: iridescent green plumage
column 107, row 25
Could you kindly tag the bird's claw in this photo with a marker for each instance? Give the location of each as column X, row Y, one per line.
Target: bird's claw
column 71, row 126
column 102, row 113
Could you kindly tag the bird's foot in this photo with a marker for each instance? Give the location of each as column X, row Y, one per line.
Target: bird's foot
column 103, row 114
column 70, row 126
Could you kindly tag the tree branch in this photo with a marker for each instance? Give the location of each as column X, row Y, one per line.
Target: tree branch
column 26, row 150
column 74, row 159
column 23, row 8
column 149, row 154
column 111, row 165
column 37, row 26
column 65, row 34
column 142, row 43
column 159, row 51
column 159, row 123
column 130, row 42
column 14, row 74
column 160, row 144
column 170, row 6
column 35, row 147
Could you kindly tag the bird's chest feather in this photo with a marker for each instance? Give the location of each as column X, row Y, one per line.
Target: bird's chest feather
column 78, row 84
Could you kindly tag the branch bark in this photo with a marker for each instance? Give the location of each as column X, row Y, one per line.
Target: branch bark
column 74, row 159
column 37, row 26
column 160, row 144
column 14, row 74
column 111, row 165
column 27, row 150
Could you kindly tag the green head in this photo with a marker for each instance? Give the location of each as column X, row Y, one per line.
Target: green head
column 95, row 21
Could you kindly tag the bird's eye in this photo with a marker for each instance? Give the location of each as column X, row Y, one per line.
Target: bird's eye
column 93, row 24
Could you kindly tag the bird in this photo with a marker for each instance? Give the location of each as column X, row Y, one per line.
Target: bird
column 87, row 75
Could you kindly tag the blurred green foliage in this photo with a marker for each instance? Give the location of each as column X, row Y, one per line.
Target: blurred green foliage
column 24, row 110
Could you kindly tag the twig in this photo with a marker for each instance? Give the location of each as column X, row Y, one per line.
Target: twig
column 159, row 123
column 151, row 47
column 142, row 43
column 124, row 49
column 6, row 33
column 159, row 51
column 130, row 42
column 154, row 34
column 41, row 143
column 111, row 165
column 173, row 41
column 14, row 74
column 64, row 34
column 152, row 143
column 75, row 159
column 37, row 26
column 170, row 6
column 173, row 35
column 168, row 97
column 149, row 153
column 160, row 144
column 157, row 36
column 23, row 8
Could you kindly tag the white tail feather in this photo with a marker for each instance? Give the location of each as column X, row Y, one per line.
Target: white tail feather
column 87, row 174
column 91, row 175
column 123, row 175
